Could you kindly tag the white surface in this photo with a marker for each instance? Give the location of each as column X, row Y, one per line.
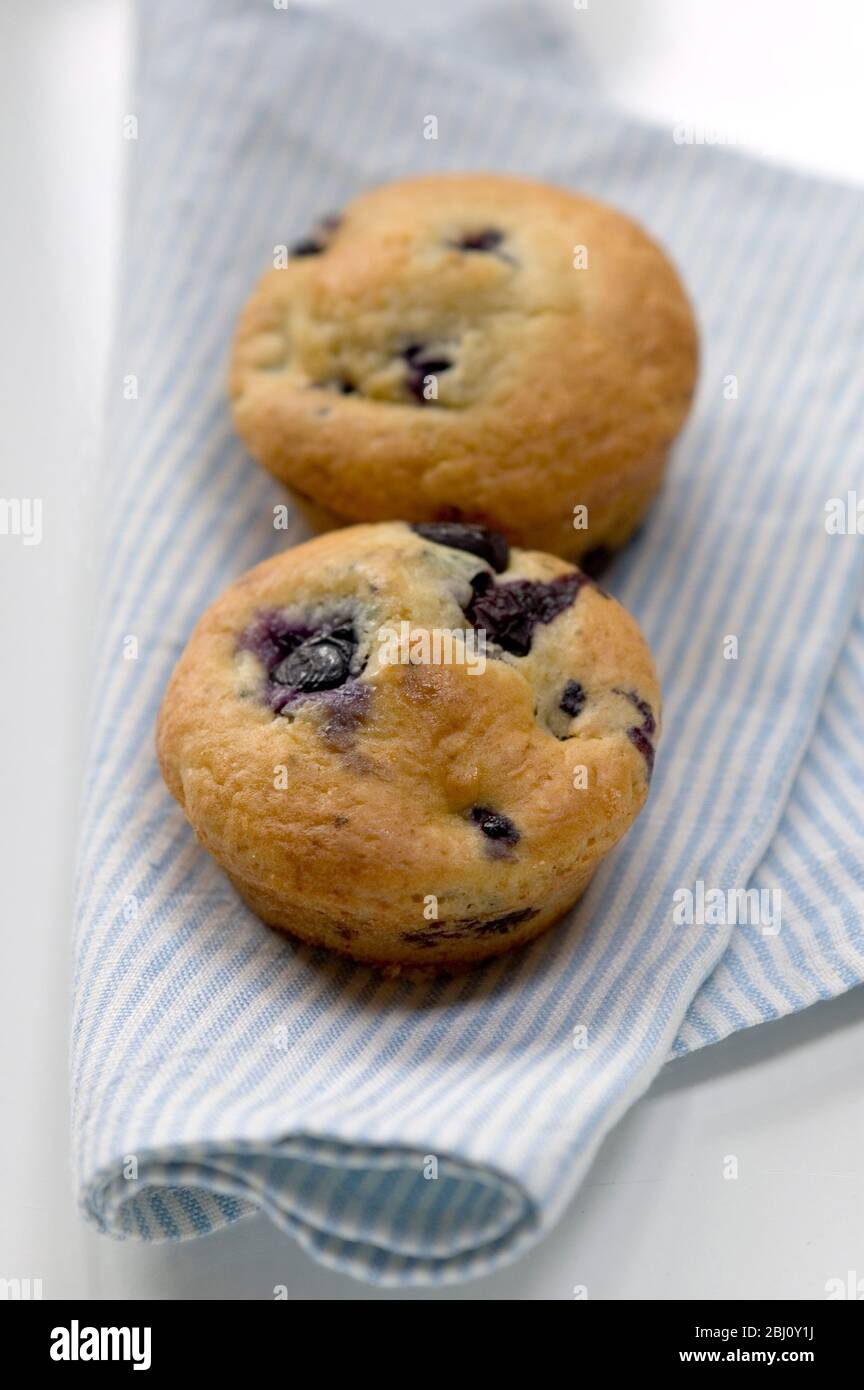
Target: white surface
column 656, row 1218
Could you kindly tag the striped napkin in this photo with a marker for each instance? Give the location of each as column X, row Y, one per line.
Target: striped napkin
column 418, row 1134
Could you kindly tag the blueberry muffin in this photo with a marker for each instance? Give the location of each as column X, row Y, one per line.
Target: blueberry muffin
column 470, row 347
column 404, row 803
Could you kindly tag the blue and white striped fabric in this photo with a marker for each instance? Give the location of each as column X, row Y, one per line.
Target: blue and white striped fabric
column 409, row 1133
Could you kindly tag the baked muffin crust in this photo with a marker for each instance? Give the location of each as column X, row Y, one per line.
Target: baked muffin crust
column 434, row 353
column 413, row 812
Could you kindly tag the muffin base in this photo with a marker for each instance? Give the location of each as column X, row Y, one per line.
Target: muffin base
column 383, row 948
column 616, row 520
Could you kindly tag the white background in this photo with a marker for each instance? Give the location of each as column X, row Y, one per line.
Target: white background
column 655, row 1218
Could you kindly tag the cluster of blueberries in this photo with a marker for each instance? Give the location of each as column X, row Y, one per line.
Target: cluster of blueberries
column 302, row 660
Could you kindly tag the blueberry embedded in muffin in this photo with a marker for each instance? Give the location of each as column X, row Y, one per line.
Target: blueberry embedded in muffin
column 301, row 658
column 488, row 545
column 422, row 365
column 318, row 240
column 642, row 734
column 343, row 792
column 496, row 827
column 541, row 386
column 488, row 239
column 319, row 663
column 467, row 929
column 510, row 612
column 573, row 699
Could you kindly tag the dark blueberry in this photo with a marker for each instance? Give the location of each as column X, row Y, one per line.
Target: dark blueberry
column 431, row 366
column 494, row 825
column 467, row 928
column 300, row 659
column 425, row 941
column 640, row 735
column 319, row 240
column 421, row 364
column 596, row 561
column 308, row 247
column 497, row 926
column 649, row 723
column 643, row 743
column 509, row 613
column 488, row 240
column 319, row 664
column 573, row 699
column 490, row 546
column 340, row 384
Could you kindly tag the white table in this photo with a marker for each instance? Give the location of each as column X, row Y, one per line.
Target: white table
column 656, row 1218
